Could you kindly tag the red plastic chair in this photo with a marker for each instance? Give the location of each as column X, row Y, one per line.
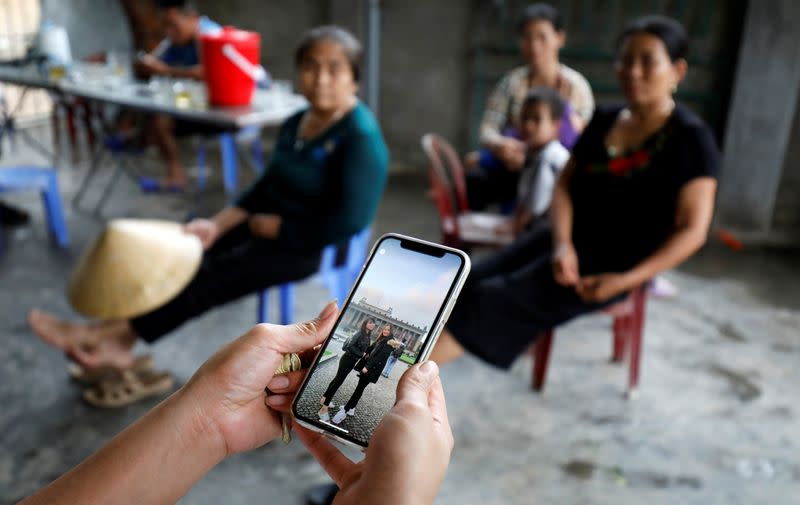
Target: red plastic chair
column 461, row 227
column 628, row 317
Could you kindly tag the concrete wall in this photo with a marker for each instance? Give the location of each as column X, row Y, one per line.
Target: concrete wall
column 423, row 59
column 786, row 216
column 424, row 69
column 427, row 50
column 761, row 119
column 93, row 25
column 427, row 73
column 280, row 23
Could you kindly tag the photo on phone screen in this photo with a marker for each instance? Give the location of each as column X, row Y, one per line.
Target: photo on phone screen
column 381, row 332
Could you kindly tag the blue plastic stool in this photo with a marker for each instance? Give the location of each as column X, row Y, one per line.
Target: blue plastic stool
column 230, row 161
column 44, row 180
column 337, row 278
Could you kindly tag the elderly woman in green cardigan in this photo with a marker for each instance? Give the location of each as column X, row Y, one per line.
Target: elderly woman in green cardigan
column 323, row 184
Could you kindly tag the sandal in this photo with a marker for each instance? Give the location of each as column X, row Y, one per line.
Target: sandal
column 91, row 376
column 152, row 185
column 128, row 387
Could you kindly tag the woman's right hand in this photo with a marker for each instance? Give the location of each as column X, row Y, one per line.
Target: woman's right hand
column 408, row 453
column 205, row 229
column 565, row 265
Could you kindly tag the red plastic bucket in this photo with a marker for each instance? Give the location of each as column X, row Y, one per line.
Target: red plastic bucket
column 230, row 63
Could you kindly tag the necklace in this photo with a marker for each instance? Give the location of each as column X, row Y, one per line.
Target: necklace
column 614, row 150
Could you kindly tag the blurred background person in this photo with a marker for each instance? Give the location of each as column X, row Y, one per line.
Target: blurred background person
column 323, row 184
column 177, row 56
column 636, row 198
column 496, row 168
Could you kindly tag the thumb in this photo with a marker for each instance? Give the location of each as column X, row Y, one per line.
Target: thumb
column 415, row 384
column 299, row 337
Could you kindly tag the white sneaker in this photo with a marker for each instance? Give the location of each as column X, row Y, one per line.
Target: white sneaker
column 325, row 418
column 351, row 412
column 339, row 417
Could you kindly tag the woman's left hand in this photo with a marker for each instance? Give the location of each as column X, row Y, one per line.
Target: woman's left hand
column 265, row 225
column 227, row 392
column 602, row 287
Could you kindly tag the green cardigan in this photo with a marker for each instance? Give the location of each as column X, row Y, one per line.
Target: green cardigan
column 327, row 188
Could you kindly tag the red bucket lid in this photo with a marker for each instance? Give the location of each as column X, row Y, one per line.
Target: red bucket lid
column 234, row 35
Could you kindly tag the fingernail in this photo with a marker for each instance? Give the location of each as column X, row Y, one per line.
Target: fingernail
column 278, row 382
column 429, row 368
column 329, row 309
column 277, row 400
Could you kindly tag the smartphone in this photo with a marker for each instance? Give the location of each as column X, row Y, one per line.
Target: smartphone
column 390, row 321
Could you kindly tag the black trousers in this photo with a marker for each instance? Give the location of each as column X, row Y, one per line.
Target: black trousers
column 487, row 187
column 511, row 297
column 237, row 265
column 346, row 364
column 363, row 382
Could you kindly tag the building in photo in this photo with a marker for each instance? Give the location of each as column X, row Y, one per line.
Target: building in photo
column 357, row 312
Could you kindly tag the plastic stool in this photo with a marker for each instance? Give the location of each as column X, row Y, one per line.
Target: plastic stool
column 230, row 161
column 44, row 180
column 337, row 278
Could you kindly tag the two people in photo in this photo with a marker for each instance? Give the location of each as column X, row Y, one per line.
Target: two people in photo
column 368, row 358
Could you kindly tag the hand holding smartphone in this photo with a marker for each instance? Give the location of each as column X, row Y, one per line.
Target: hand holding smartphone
column 390, row 321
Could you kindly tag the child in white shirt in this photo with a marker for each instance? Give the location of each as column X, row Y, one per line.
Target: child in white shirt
column 540, row 120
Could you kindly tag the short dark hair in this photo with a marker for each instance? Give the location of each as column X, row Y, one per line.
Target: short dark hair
column 670, row 31
column 540, row 12
column 546, row 96
column 346, row 40
column 185, row 6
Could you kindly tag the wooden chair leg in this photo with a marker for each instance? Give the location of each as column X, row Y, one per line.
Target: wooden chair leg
column 540, row 354
column 636, row 338
column 55, row 124
column 86, row 117
column 72, row 131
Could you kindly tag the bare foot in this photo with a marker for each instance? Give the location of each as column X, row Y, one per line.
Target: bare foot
column 54, row 331
column 108, row 352
column 91, row 346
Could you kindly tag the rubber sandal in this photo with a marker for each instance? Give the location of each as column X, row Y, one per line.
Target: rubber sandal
column 151, row 185
column 91, row 376
column 128, row 387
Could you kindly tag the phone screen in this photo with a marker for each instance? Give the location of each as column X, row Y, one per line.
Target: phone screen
column 383, row 330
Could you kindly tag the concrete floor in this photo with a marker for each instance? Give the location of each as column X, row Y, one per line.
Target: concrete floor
column 715, row 423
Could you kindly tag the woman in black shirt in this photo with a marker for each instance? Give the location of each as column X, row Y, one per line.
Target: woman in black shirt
column 635, row 199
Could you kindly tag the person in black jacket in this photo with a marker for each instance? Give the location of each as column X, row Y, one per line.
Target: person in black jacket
column 370, row 368
column 354, row 349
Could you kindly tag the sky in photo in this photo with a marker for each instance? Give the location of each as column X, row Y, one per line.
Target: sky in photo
column 414, row 285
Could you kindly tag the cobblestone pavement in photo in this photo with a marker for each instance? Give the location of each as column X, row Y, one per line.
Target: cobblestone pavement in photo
column 377, row 399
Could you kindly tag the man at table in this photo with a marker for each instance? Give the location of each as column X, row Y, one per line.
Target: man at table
column 177, row 56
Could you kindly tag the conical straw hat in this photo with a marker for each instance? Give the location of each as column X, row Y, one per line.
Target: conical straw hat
column 133, row 267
